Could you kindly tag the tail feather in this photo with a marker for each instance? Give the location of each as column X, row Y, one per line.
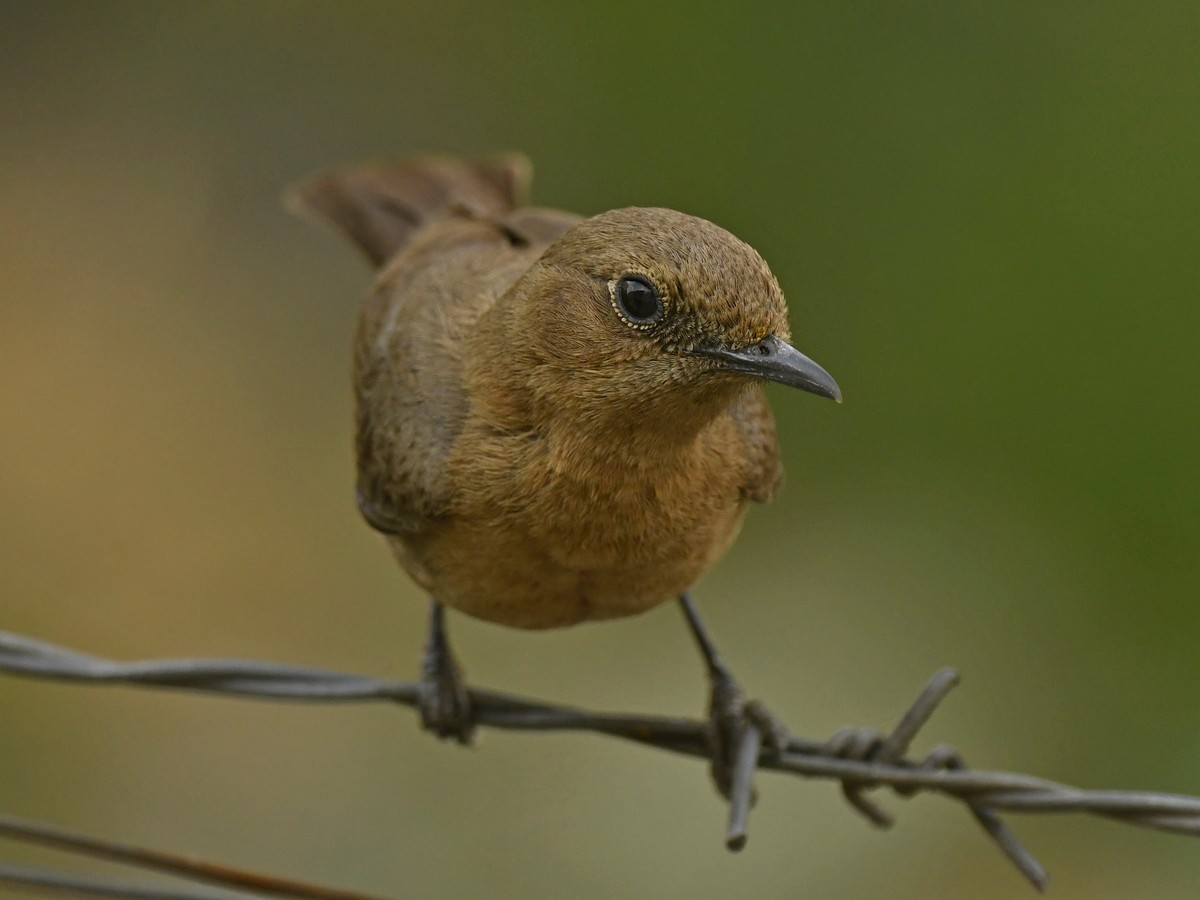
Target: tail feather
column 379, row 208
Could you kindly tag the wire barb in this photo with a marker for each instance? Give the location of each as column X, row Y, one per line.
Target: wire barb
column 861, row 760
column 741, row 789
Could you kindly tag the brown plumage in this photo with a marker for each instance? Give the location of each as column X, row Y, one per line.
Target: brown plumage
column 537, row 451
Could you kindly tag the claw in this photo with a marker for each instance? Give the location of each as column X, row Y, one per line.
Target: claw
column 775, row 736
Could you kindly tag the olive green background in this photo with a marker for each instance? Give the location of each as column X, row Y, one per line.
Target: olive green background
column 986, row 218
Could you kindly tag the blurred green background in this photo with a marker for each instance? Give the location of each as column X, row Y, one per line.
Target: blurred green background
column 986, row 218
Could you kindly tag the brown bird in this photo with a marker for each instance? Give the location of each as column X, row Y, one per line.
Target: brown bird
column 559, row 419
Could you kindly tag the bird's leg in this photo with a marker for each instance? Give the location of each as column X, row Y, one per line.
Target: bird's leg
column 445, row 706
column 730, row 713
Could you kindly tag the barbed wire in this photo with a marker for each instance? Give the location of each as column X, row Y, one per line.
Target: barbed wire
column 860, row 759
column 241, row 881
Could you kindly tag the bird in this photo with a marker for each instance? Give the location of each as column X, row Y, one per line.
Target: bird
column 558, row 419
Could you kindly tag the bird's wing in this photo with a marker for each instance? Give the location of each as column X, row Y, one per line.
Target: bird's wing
column 450, row 237
column 411, row 401
column 762, row 476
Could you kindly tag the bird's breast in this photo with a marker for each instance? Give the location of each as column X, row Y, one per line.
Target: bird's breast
column 545, row 533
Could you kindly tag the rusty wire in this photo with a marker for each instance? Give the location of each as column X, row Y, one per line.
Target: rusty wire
column 861, row 760
column 228, row 878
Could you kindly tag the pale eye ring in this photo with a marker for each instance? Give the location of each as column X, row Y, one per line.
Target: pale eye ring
column 637, row 301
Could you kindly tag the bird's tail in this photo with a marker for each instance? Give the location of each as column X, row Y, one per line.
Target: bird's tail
column 380, row 207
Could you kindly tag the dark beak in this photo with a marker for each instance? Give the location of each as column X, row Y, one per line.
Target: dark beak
column 773, row 359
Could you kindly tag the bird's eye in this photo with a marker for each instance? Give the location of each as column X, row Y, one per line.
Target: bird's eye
column 638, row 301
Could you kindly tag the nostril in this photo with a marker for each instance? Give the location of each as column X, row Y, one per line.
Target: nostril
column 764, row 348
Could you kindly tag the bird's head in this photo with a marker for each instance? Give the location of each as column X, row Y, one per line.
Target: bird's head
column 652, row 303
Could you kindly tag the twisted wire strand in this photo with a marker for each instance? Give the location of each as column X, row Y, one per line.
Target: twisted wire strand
column 81, row 886
column 190, row 868
column 861, row 760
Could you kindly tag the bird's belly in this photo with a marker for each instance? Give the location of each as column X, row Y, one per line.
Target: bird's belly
column 539, row 571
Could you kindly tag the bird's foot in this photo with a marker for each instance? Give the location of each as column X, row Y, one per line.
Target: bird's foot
column 775, row 736
column 445, row 705
column 730, row 716
column 444, row 702
column 739, row 729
